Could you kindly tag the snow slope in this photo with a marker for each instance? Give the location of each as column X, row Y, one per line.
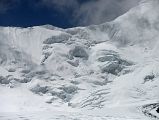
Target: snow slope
column 107, row 71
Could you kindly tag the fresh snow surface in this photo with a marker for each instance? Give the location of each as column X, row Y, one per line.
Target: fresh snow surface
column 100, row 72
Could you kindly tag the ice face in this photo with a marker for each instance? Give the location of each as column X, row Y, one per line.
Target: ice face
column 111, row 67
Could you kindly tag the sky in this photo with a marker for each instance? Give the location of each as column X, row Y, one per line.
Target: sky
column 61, row 13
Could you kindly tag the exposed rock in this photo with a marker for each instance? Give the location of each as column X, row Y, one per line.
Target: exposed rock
column 46, row 56
column 157, row 110
column 149, row 77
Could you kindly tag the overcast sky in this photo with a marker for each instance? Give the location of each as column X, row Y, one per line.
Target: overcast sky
column 61, row 13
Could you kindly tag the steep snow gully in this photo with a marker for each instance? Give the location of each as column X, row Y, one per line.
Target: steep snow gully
column 100, row 72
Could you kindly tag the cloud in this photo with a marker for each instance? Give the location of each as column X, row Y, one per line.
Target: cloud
column 83, row 12
column 92, row 11
column 61, row 5
column 99, row 11
column 6, row 5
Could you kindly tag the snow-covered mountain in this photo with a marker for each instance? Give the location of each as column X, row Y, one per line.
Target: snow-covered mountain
column 108, row 71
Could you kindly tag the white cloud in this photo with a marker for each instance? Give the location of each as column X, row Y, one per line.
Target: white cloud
column 85, row 13
column 61, row 5
column 92, row 11
column 96, row 12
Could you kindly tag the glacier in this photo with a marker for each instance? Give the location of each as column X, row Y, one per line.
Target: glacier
column 99, row 72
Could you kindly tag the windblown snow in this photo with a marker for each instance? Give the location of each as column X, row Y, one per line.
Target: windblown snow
column 100, row 72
